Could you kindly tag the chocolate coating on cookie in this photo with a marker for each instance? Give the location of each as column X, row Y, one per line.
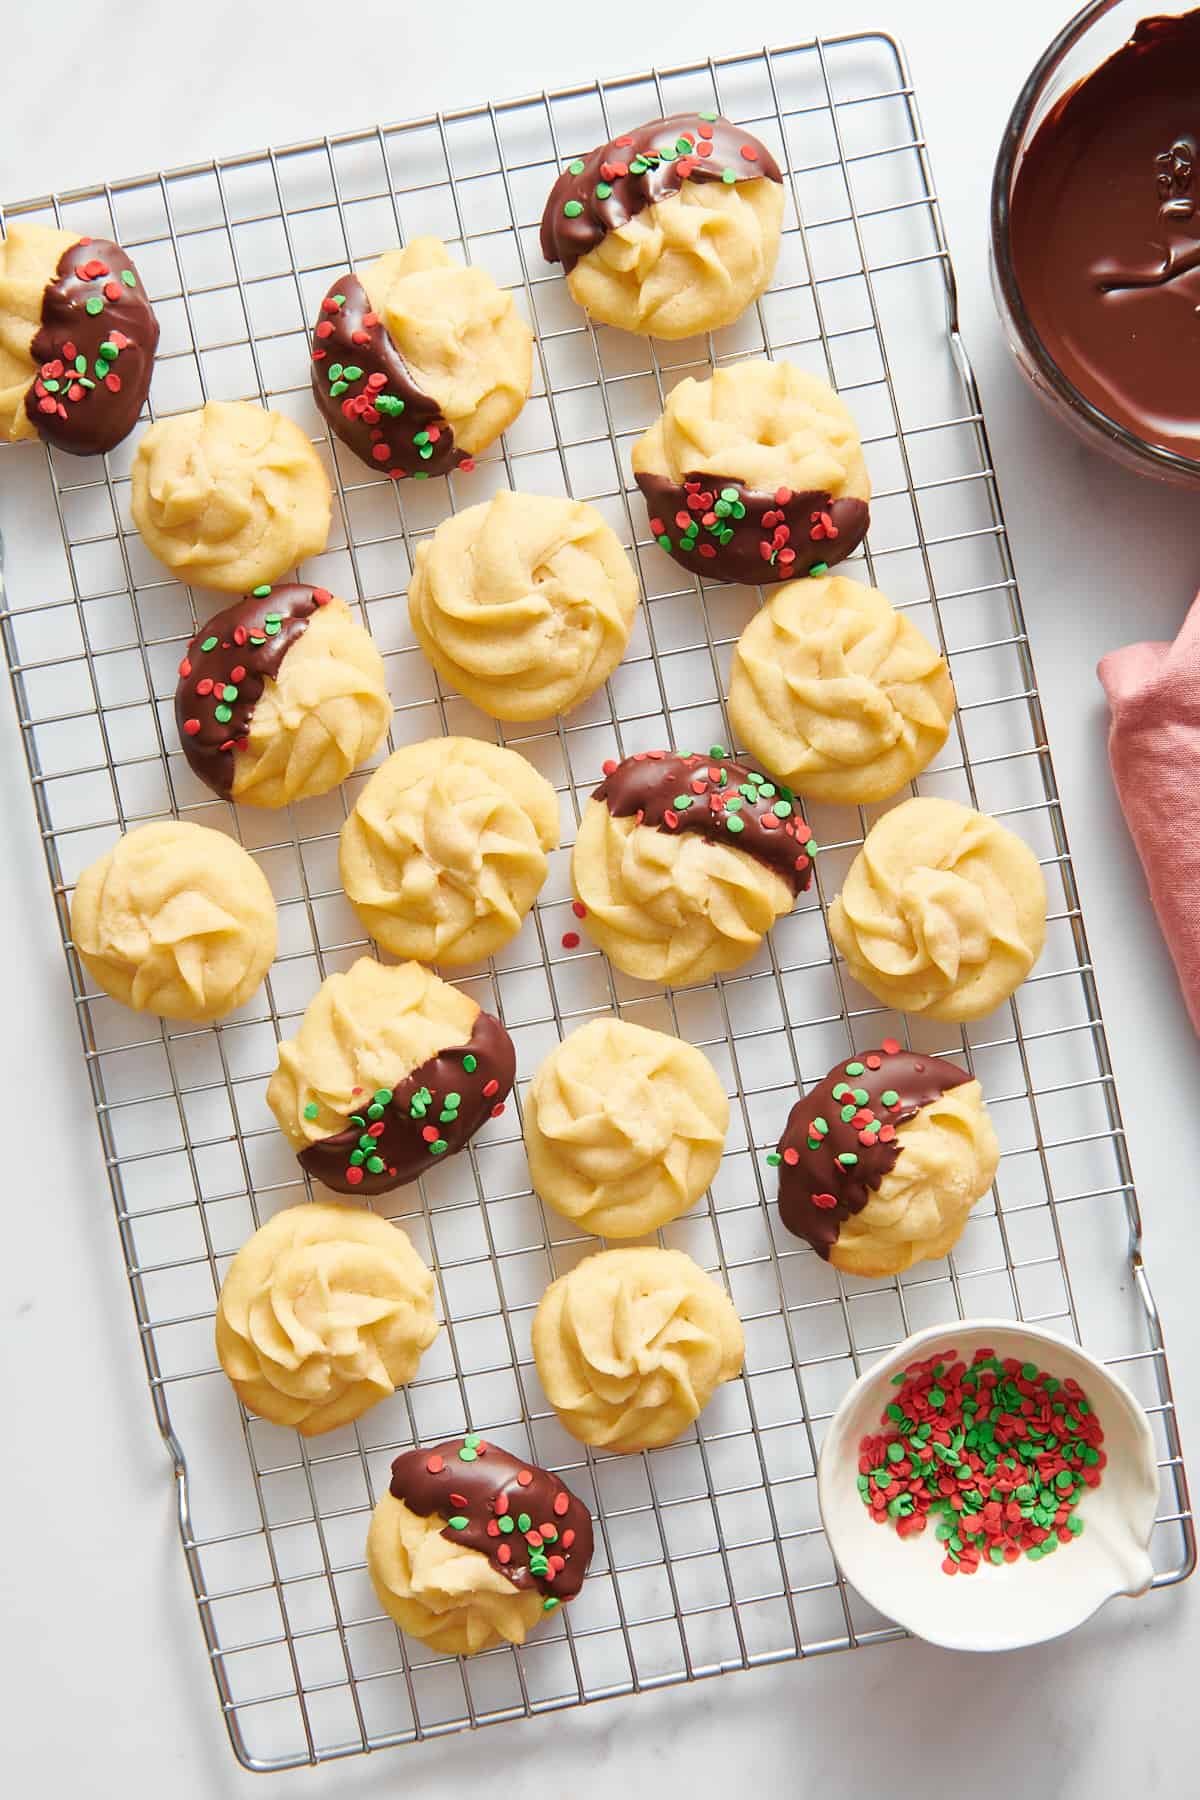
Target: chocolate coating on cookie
column 732, row 533
column 94, row 351
column 228, row 663
column 840, row 1139
column 531, row 1528
column 600, row 192
column 403, row 1132
column 367, row 395
column 725, row 801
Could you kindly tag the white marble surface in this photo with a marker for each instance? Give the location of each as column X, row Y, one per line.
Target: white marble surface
column 104, row 1681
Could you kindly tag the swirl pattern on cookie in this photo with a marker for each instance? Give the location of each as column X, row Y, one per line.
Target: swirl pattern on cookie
column 725, row 801
column 528, row 1524
column 600, row 192
column 91, row 352
column 840, row 1139
column 366, row 392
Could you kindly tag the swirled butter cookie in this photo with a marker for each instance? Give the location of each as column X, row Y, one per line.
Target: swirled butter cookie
column 524, row 604
column 231, row 496
column 669, row 230
column 418, row 363
column 755, row 474
column 445, row 850
column 472, row 1547
column 177, row 920
column 943, row 911
column 390, row 1071
column 324, row 1311
column 280, row 697
column 685, row 862
column 837, row 692
column 880, row 1165
column 631, row 1345
column 77, row 339
column 624, row 1127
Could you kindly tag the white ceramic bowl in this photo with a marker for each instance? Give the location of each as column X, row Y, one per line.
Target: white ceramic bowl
column 1015, row 1604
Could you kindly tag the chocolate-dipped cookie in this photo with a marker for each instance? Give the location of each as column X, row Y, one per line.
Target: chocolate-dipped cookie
column 684, row 862
column 77, row 339
column 392, row 1070
column 880, row 1164
column 280, row 696
column 418, row 363
column 671, row 229
column 471, row 1546
column 754, row 475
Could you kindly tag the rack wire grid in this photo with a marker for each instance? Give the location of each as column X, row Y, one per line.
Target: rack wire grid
column 710, row 1554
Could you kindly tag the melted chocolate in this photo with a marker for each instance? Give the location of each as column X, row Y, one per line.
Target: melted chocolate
column 600, row 192
column 228, row 663
column 725, row 801
column 1105, row 234
column 475, row 1486
column 731, row 533
column 94, row 351
column 413, row 1119
column 365, row 390
column 879, row 1090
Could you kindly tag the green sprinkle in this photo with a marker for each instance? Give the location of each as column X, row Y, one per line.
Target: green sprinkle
column 453, row 1100
column 470, row 1063
column 52, row 387
column 550, row 1602
column 466, row 1454
column 729, row 493
column 573, row 208
column 847, row 1159
column 338, row 387
column 812, row 847
column 819, row 569
column 728, row 176
column 335, row 371
column 366, row 1141
column 681, row 802
column 374, row 1111
column 861, row 1095
column 81, row 365
column 210, row 643
column 735, row 825
column 261, row 592
column 717, row 751
column 734, row 805
column 375, row 1165
column 840, row 1089
column 357, row 1119
column 357, row 1159
column 895, row 1453
column 448, row 1115
column 457, row 1523
column 311, row 1110
column 524, row 1522
column 339, row 299
column 708, row 117
column 389, row 405
column 94, row 305
column 576, row 167
column 382, row 1096
column 782, row 809
column 128, row 277
column 229, row 693
column 889, row 1097
column 855, row 1068
column 848, row 1113
column 437, row 1147
column 472, row 1440
column 506, row 1523
column 222, row 714
column 603, row 191
column 665, row 541
column 272, row 628
column 682, row 147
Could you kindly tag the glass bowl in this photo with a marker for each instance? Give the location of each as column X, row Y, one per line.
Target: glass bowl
column 1086, row 41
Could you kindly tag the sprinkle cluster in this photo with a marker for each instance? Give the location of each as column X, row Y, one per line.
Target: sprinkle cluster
column 687, row 151
column 999, row 1452
column 67, row 379
column 709, row 786
column 368, row 399
column 223, row 687
column 712, row 509
column 854, row 1109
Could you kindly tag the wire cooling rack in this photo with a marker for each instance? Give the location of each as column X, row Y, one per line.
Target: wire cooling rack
column 710, row 1554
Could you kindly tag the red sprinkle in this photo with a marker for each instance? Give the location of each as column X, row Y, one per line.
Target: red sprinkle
column 749, row 152
column 354, row 1175
column 489, row 1089
column 503, row 1553
column 497, row 1110
column 570, row 940
column 524, row 1477
column 191, row 726
column 890, row 1047
column 429, row 1133
column 579, row 909
column 435, row 1465
column 824, row 1201
column 561, row 1503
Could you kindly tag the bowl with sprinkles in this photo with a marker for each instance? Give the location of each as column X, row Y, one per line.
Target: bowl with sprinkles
column 989, row 1485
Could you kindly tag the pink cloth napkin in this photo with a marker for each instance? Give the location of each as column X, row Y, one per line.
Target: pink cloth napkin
column 1154, row 747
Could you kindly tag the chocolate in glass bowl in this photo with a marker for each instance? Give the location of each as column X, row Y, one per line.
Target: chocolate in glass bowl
column 1096, row 232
